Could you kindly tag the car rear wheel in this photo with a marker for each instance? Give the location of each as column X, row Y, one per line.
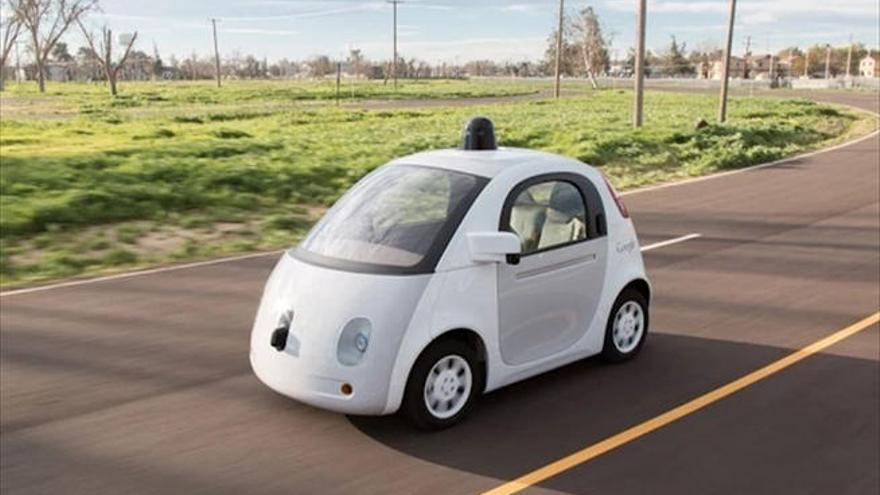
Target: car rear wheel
column 443, row 385
column 627, row 326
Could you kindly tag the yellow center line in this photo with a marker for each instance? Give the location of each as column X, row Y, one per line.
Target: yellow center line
column 612, row 442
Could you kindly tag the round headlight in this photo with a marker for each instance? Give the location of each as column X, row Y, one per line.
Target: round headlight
column 353, row 341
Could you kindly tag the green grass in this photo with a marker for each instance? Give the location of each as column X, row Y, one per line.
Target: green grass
column 112, row 190
column 258, row 97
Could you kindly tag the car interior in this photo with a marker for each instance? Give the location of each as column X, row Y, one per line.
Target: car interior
column 548, row 214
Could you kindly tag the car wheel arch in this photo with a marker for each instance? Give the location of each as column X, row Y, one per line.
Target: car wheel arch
column 470, row 338
column 640, row 285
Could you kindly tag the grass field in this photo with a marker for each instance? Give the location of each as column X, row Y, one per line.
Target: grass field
column 169, row 98
column 91, row 184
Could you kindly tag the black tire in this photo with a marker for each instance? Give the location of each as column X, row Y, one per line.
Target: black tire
column 414, row 404
column 610, row 351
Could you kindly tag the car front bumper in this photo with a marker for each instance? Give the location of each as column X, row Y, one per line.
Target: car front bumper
column 320, row 385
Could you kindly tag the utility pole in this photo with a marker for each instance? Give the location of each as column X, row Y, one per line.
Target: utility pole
column 849, row 57
column 394, row 62
column 772, row 66
column 559, row 47
column 807, row 63
column 722, row 108
column 338, row 80
column 772, row 70
column 827, row 61
column 17, row 64
column 639, row 65
column 216, row 51
column 747, row 59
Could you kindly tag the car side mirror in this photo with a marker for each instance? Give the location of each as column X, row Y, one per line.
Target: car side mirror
column 493, row 247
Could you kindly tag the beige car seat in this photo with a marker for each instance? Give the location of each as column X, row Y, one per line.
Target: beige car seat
column 526, row 220
column 564, row 218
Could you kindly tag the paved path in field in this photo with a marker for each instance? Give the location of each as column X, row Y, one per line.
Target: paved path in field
column 142, row 385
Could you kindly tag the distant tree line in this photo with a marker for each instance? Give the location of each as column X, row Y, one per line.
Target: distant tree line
column 41, row 25
column 84, row 64
column 813, row 59
column 586, row 45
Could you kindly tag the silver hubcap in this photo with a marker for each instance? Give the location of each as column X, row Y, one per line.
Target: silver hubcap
column 448, row 386
column 629, row 326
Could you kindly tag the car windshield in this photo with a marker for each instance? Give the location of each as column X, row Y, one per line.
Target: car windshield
column 399, row 216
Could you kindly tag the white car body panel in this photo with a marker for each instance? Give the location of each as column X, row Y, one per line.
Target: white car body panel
column 567, row 282
column 323, row 301
column 408, row 312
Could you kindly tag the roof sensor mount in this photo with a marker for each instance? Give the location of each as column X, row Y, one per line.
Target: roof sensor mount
column 479, row 135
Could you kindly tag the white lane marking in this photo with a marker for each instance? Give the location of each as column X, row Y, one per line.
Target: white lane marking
column 670, row 242
column 256, row 255
column 162, row 269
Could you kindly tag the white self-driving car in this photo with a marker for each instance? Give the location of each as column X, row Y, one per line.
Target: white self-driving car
column 447, row 274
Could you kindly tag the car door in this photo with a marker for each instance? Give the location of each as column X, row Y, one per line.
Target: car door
column 548, row 295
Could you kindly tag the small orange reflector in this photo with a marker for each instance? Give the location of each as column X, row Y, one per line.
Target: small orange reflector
column 346, row 389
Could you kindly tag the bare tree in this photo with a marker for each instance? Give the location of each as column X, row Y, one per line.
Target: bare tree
column 593, row 43
column 46, row 21
column 11, row 26
column 103, row 51
column 568, row 63
column 321, row 66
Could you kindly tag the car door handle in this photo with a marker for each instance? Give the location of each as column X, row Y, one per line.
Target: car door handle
column 587, row 258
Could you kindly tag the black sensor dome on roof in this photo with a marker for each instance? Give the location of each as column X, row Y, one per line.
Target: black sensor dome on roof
column 478, row 135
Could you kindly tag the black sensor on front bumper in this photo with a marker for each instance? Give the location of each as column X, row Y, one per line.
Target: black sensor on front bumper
column 279, row 338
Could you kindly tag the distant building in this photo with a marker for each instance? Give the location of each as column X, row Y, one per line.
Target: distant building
column 751, row 67
column 785, row 65
column 619, row 69
column 868, row 67
column 703, row 70
column 763, row 67
column 737, row 68
column 716, row 68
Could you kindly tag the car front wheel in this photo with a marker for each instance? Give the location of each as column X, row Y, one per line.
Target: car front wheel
column 443, row 385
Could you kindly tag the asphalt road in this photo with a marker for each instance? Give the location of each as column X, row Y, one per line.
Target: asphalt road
column 142, row 385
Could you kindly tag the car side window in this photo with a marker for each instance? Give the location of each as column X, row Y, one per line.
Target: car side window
column 548, row 214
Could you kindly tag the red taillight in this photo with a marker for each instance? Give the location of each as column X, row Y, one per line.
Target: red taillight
column 620, row 206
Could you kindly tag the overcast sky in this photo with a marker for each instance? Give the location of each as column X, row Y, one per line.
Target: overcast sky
column 460, row 30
